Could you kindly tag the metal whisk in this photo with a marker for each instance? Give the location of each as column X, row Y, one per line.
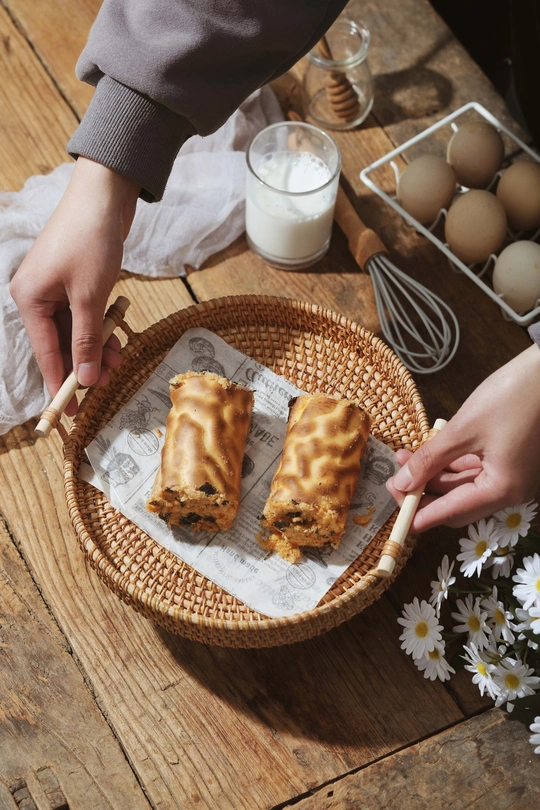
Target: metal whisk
column 422, row 330
column 420, row 327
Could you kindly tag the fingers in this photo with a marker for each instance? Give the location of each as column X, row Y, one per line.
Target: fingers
column 442, row 484
column 87, row 341
column 461, row 506
column 44, row 339
column 430, row 459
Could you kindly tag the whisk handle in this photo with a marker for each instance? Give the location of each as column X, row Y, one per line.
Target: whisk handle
column 363, row 241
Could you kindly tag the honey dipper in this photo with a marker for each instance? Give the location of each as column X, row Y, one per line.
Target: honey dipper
column 341, row 95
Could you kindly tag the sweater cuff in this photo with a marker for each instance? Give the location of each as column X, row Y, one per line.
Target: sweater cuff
column 131, row 134
column 534, row 332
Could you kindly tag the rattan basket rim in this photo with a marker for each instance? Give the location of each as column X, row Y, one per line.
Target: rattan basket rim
column 80, row 423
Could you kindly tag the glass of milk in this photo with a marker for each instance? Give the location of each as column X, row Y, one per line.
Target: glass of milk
column 292, row 181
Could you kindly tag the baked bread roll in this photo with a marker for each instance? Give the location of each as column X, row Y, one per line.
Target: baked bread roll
column 313, row 486
column 198, row 483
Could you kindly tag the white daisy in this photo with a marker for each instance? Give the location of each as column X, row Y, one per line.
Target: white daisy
column 473, row 621
column 434, row 664
column 529, row 620
column 439, row 588
column 499, row 619
column 477, row 547
column 501, row 561
column 478, row 663
column 527, row 591
column 534, row 739
column 514, row 680
column 514, row 522
column 421, row 629
column 534, row 613
column 493, row 650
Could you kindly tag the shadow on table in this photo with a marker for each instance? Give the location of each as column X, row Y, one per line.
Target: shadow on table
column 352, row 686
column 415, row 92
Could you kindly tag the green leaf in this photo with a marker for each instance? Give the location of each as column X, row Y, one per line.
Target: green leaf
column 526, row 709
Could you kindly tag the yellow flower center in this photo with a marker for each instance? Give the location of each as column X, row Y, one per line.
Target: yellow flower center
column 537, row 586
column 499, row 617
column 503, row 551
column 421, row 629
column 435, row 655
column 513, row 520
column 482, row 669
column 512, row 681
column 474, row 623
column 480, row 547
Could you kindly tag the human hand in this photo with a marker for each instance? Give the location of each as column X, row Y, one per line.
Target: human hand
column 486, row 458
column 62, row 286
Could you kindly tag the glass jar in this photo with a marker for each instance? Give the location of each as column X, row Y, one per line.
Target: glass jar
column 291, row 187
column 338, row 88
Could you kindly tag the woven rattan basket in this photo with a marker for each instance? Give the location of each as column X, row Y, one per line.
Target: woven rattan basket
column 315, row 349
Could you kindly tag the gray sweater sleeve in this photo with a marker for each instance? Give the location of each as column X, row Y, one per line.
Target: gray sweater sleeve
column 167, row 69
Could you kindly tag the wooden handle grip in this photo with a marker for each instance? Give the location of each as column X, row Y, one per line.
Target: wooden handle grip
column 401, row 527
column 363, row 241
column 51, row 415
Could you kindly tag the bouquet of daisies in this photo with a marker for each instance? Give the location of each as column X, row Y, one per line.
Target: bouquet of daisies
column 495, row 614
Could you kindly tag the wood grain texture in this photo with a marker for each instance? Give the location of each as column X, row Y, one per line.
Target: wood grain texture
column 212, row 727
column 237, row 271
column 151, row 298
column 58, row 32
column 421, row 72
column 207, row 727
column 54, row 742
column 487, row 340
column 485, row 763
column 36, row 122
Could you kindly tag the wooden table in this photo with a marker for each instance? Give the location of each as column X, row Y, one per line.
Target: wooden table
column 101, row 709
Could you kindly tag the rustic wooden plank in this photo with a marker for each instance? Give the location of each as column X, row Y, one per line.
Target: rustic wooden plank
column 421, row 71
column 151, row 298
column 224, row 728
column 58, row 33
column 237, row 271
column 55, row 744
column 215, row 727
column 485, row 763
column 36, row 122
column 480, row 319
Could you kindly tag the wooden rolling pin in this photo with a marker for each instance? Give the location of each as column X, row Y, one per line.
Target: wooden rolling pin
column 401, row 527
column 51, row 415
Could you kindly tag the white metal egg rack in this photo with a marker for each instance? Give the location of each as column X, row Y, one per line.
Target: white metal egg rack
column 474, row 272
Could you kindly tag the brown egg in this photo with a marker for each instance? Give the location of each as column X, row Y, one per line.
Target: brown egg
column 519, row 192
column 475, row 152
column 475, row 226
column 426, row 185
column 517, row 275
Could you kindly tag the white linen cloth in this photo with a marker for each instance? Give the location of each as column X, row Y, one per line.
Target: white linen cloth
column 202, row 211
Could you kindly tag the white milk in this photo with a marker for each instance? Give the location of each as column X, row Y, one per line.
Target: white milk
column 293, row 226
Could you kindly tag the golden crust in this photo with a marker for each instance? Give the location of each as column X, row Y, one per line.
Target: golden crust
column 198, row 483
column 312, row 489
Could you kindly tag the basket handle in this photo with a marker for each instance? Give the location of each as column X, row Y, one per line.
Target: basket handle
column 50, row 418
column 392, row 547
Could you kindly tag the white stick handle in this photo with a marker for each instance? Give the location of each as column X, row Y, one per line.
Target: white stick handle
column 52, row 414
column 407, row 511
